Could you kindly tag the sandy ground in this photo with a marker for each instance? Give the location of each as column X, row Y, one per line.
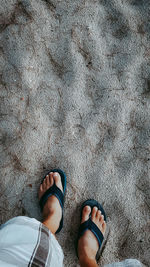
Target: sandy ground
column 75, row 94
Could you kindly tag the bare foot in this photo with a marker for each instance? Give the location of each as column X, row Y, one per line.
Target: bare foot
column 88, row 244
column 52, row 211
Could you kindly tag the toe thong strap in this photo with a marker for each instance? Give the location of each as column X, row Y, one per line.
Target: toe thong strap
column 54, row 190
column 90, row 225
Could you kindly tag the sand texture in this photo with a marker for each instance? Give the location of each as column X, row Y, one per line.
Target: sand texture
column 75, row 94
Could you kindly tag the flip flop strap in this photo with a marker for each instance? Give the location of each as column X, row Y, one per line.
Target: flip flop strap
column 54, row 190
column 90, row 225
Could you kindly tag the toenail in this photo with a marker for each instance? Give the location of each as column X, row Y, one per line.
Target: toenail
column 55, row 174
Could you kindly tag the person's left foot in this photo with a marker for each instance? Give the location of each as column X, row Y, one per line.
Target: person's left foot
column 52, row 211
column 88, row 243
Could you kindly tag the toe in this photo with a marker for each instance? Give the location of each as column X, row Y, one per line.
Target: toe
column 44, row 184
column 57, row 177
column 47, row 182
column 101, row 218
column 57, row 180
column 94, row 211
column 103, row 227
column 40, row 191
column 41, row 188
column 85, row 213
column 98, row 214
column 51, row 178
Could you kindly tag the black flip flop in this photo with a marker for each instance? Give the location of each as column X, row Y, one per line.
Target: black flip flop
column 54, row 190
column 90, row 225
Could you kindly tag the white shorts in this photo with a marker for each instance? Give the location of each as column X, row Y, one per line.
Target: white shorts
column 27, row 242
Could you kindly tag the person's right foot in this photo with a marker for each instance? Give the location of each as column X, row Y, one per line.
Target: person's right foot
column 88, row 244
column 52, row 211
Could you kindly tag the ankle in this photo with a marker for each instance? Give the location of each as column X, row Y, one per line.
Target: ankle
column 87, row 262
column 50, row 211
column 51, row 221
column 51, row 225
column 85, row 253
